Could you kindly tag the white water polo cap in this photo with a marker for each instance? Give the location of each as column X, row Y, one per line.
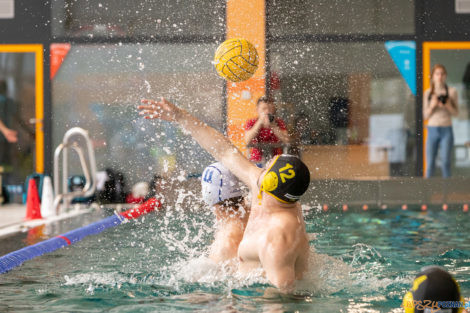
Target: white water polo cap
column 218, row 184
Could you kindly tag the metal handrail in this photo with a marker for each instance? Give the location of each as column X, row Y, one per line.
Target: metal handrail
column 90, row 176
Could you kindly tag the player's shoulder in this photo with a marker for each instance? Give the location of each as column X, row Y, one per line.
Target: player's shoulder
column 282, row 232
column 278, row 242
column 282, row 242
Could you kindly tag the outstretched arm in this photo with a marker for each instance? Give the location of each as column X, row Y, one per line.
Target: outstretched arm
column 210, row 139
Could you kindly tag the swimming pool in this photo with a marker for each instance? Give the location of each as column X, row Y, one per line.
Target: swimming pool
column 365, row 263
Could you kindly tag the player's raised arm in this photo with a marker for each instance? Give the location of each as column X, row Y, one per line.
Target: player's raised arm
column 210, row 139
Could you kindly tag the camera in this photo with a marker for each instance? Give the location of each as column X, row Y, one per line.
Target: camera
column 271, row 118
column 443, row 98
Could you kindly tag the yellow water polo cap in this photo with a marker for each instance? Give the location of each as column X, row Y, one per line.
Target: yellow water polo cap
column 434, row 290
column 286, row 179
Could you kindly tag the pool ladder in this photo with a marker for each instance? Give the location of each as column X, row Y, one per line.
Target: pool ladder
column 89, row 172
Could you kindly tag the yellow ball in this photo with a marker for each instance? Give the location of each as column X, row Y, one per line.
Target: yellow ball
column 236, row 59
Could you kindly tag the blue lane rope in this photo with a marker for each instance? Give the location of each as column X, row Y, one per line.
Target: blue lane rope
column 16, row 258
column 93, row 229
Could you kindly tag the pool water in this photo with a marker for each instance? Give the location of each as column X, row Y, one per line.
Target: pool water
column 364, row 262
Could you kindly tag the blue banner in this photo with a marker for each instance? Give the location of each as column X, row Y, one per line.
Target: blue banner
column 403, row 53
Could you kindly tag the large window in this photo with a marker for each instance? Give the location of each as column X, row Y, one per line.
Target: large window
column 360, row 111
column 340, row 17
column 457, row 63
column 99, row 86
column 350, row 110
column 17, row 113
column 149, row 18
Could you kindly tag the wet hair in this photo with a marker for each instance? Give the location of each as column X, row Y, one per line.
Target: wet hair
column 434, row 68
column 232, row 203
column 264, row 99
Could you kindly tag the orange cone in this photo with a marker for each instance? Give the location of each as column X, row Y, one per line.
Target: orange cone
column 33, row 207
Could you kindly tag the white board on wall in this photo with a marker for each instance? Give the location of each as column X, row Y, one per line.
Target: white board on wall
column 7, row 9
column 462, row 6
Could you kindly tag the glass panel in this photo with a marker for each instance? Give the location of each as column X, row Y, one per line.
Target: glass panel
column 457, row 64
column 99, row 86
column 360, row 112
column 85, row 18
column 340, row 17
column 17, row 110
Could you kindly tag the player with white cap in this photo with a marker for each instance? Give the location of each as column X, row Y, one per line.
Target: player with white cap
column 275, row 238
column 222, row 191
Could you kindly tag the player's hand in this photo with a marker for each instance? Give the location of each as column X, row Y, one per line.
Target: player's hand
column 163, row 109
column 11, row 135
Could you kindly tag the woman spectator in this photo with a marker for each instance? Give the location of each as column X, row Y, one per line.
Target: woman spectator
column 440, row 104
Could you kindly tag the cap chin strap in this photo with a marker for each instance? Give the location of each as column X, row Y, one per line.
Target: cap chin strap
column 408, row 303
column 260, row 194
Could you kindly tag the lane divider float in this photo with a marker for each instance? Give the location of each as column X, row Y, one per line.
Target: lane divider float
column 16, row 258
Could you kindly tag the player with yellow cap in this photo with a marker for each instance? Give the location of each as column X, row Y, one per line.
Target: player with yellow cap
column 434, row 290
column 275, row 237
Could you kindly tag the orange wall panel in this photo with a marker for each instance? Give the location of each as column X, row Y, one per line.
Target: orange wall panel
column 245, row 19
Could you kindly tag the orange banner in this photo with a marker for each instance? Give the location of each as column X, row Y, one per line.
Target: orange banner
column 58, row 53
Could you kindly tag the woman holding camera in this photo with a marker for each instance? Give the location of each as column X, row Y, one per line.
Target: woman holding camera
column 440, row 104
column 265, row 133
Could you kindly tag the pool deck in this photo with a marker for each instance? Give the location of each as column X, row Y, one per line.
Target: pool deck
column 11, row 214
column 12, row 218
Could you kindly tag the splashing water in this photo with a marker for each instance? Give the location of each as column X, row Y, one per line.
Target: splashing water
column 358, row 261
column 147, row 85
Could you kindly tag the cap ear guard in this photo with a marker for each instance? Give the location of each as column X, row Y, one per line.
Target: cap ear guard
column 270, row 182
column 286, row 179
column 408, row 303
